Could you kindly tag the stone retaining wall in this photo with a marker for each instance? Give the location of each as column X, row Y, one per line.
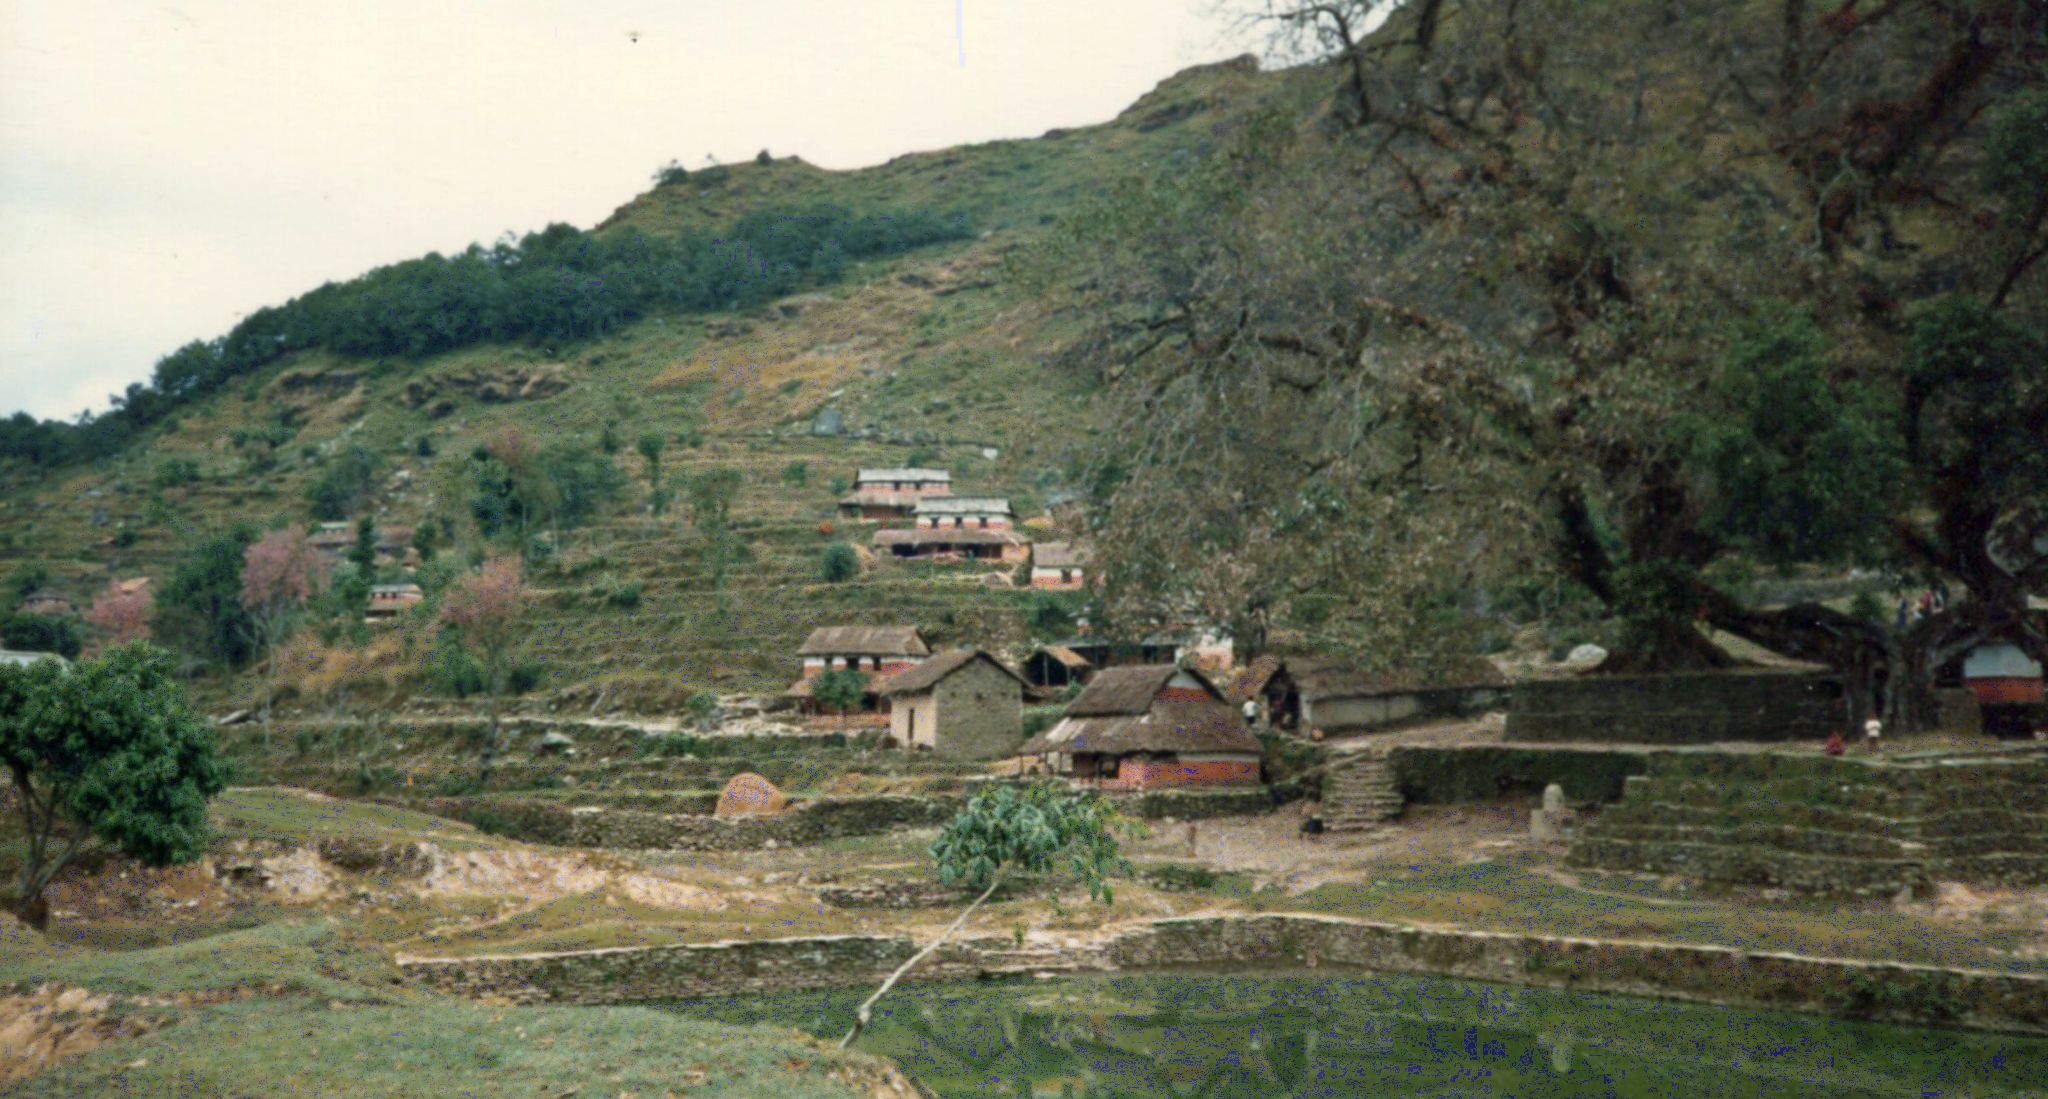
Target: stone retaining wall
column 597, row 826
column 1434, row 776
column 685, row 971
column 1888, row 992
column 1678, row 709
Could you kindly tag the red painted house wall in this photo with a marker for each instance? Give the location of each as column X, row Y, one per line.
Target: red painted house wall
column 1150, row 774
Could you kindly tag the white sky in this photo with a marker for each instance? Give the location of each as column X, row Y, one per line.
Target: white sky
column 167, row 167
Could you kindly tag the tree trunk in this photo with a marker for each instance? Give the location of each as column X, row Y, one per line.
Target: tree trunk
column 1665, row 645
column 863, row 1013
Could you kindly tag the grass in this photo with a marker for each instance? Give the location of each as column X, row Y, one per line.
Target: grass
column 267, row 814
column 307, row 956
column 1512, row 896
column 307, row 1048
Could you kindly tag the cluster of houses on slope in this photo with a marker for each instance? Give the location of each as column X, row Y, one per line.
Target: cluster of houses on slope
column 946, row 527
column 1148, row 715
column 394, row 548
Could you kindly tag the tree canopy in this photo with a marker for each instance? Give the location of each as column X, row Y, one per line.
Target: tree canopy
column 107, row 748
column 1629, row 306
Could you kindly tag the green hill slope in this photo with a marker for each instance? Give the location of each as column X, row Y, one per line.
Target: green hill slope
column 932, row 351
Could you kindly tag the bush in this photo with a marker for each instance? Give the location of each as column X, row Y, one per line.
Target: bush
column 796, row 473
column 624, row 594
column 702, row 708
column 525, row 676
column 839, row 563
column 42, row 633
column 839, row 485
column 173, row 472
column 762, row 158
column 343, row 485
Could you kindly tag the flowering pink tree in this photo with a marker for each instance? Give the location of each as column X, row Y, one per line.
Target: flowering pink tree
column 121, row 612
column 280, row 572
column 486, row 609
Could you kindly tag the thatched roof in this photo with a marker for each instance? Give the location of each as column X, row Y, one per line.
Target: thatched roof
column 1124, row 692
column 1063, row 655
column 1059, row 555
column 964, row 505
column 907, row 474
column 1169, row 727
column 928, row 674
column 1325, row 677
column 865, row 641
column 947, row 536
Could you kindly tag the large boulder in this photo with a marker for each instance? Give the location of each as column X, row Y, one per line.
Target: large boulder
column 749, row 795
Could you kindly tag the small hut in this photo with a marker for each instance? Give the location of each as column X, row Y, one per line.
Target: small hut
column 1150, row 726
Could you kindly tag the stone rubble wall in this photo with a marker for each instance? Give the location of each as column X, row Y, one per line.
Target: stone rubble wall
column 1700, row 708
column 1837, row 827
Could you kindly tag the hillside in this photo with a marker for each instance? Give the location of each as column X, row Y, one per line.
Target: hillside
column 932, row 351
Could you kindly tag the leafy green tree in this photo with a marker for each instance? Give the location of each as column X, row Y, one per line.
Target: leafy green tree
column 343, row 484
column 1008, row 830
column 200, row 607
column 841, row 690
column 109, row 749
column 711, row 495
column 26, row 579
column 608, row 439
column 839, row 563
column 650, row 445
column 796, row 474
column 702, row 706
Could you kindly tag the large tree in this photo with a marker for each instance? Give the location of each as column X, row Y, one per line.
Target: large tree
column 1635, row 303
column 281, row 571
column 486, row 610
column 109, row 749
column 200, row 608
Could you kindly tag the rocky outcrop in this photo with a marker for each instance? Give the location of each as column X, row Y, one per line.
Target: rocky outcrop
column 492, row 385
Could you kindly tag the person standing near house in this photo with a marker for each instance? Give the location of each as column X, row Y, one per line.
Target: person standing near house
column 1872, row 730
column 1251, row 712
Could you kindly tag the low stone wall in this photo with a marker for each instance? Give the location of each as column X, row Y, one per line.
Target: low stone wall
column 683, row 972
column 1436, row 776
column 1203, row 804
column 598, row 826
column 1697, row 708
column 1886, row 992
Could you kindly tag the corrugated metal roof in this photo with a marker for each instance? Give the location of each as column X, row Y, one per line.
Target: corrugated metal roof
column 1059, row 555
column 865, row 641
column 922, row 476
column 964, row 505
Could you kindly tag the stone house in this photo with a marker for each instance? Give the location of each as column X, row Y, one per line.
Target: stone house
column 1336, row 696
column 875, row 651
column 388, row 601
column 964, row 513
column 1058, row 566
column 1150, row 726
column 892, row 493
column 953, row 544
column 963, row 704
column 47, row 603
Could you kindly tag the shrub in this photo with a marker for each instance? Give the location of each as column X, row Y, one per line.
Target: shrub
column 624, row 594
column 796, row 473
column 839, row 485
column 702, row 708
column 839, row 563
column 762, row 158
column 173, row 472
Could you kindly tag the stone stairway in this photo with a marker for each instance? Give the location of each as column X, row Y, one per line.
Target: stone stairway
column 1359, row 792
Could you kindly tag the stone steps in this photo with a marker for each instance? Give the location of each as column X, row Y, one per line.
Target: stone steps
column 1359, row 792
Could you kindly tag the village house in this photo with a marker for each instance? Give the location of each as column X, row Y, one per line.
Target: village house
column 47, row 603
column 1056, row 666
column 892, row 493
column 1308, row 693
column 963, row 704
column 388, row 601
column 874, row 651
column 1058, row 566
column 1101, row 652
column 953, row 544
column 393, row 544
column 2006, row 683
column 1146, row 727
column 964, row 512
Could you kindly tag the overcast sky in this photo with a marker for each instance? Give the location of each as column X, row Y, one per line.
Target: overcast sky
column 168, row 167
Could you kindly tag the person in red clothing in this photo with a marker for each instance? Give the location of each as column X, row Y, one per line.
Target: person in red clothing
column 1835, row 746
